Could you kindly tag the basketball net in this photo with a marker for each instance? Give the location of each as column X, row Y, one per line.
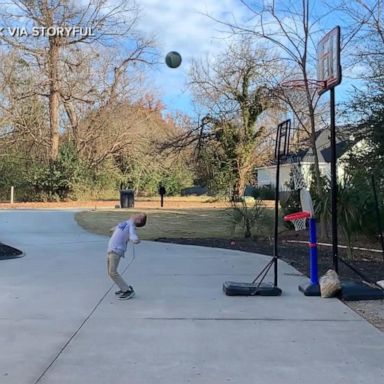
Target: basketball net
column 296, row 92
column 299, row 224
column 297, row 176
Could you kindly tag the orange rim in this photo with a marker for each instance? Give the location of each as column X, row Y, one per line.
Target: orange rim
column 301, row 84
column 297, row 215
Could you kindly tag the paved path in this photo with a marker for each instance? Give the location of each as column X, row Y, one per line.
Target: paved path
column 61, row 324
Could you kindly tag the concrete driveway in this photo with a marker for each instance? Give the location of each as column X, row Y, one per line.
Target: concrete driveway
column 60, row 322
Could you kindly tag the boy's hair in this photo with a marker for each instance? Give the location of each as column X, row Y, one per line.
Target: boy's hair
column 142, row 220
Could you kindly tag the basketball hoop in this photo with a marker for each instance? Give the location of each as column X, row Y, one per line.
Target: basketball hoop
column 297, row 90
column 298, row 219
column 302, row 85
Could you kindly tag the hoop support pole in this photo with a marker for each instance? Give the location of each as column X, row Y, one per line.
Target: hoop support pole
column 276, row 231
column 313, row 270
column 335, row 253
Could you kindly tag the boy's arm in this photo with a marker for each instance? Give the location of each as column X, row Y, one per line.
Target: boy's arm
column 133, row 235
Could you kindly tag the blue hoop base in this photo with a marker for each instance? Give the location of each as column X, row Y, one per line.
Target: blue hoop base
column 310, row 289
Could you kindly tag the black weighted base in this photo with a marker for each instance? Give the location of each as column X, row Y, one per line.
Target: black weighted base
column 355, row 290
column 310, row 289
column 232, row 288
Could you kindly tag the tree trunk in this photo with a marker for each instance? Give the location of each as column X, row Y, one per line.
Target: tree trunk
column 247, row 233
column 71, row 113
column 240, row 182
column 53, row 59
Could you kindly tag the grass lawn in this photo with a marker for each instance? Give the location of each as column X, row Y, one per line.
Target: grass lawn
column 171, row 223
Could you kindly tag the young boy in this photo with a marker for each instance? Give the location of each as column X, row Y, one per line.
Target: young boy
column 117, row 245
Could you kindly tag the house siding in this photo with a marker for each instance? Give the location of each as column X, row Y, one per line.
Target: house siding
column 266, row 176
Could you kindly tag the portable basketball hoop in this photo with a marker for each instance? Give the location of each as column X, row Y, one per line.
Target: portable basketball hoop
column 258, row 287
column 329, row 71
column 298, row 219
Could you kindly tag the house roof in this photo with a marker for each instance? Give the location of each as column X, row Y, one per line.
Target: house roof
column 343, row 143
column 323, row 144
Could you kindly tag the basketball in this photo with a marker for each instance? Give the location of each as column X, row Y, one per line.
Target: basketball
column 173, row 59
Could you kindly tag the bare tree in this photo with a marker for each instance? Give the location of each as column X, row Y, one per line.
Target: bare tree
column 94, row 89
column 232, row 96
column 364, row 21
column 23, row 124
column 50, row 27
column 291, row 29
column 366, row 54
column 109, row 131
column 141, row 163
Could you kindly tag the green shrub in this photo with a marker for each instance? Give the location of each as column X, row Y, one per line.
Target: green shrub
column 12, row 173
column 266, row 192
column 356, row 215
column 249, row 218
column 57, row 180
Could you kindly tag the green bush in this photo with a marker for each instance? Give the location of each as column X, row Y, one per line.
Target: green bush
column 249, row 218
column 266, row 192
column 12, row 173
column 145, row 178
column 356, row 211
column 362, row 198
column 57, row 180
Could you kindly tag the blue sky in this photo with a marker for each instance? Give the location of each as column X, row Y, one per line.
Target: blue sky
column 183, row 26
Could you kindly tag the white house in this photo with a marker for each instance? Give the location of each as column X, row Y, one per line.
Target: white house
column 266, row 176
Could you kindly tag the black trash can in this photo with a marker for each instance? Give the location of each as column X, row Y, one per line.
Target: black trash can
column 127, row 198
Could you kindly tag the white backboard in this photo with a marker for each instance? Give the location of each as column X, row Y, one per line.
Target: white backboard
column 328, row 60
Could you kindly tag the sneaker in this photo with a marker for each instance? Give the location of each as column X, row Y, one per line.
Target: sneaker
column 127, row 295
column 119, row 292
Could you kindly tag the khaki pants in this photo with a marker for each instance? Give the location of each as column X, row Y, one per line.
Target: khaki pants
column 112, row 264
